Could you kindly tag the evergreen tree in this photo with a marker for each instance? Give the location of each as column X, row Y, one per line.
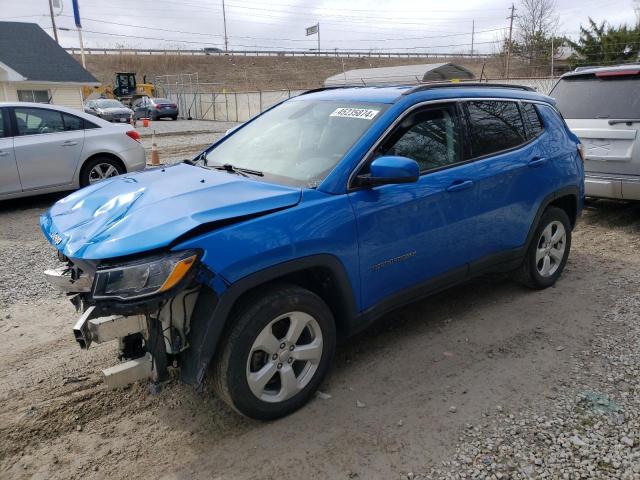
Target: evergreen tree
column 605, row 45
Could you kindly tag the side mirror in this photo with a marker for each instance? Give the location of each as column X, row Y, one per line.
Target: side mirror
column 390, row 169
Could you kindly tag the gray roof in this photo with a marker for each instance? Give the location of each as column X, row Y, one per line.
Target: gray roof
column 403, row 74
column 27, row 49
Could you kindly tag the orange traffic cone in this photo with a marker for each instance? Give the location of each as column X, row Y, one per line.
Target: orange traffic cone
column 155, row 157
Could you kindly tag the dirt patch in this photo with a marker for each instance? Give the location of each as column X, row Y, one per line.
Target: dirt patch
column 401, row 393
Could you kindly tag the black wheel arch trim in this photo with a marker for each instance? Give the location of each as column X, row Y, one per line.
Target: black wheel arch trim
column 571, row 190
column 212, row 311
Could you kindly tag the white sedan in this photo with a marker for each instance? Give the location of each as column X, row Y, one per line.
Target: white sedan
column 47, row 148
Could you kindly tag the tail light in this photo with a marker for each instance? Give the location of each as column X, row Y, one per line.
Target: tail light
column 158, row 107
column 581, row 151
column 133, row 134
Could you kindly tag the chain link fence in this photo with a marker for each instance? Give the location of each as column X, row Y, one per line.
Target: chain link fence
column 202, row 101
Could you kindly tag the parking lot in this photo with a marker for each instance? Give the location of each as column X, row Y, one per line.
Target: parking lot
column 177, row 140
column 488, row 380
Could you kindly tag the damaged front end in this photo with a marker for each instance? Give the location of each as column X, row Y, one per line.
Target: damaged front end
column 145, row 304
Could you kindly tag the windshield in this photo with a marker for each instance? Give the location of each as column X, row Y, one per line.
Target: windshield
column 162, row 100
column 109, row 104
column 588, row 96
column 298, row 142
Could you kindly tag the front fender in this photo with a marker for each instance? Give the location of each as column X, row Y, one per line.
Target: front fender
column 318, row 232
column 212, row 310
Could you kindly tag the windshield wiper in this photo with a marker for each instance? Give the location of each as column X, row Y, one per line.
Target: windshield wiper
column 202, row 157
column 227, row 167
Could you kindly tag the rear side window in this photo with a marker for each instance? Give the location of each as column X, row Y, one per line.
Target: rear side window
column 71, row 122
column 495, row 126
column 589, row 96
column 532, row 119
column 88, row 125
column 33, row 121
column 3, row 131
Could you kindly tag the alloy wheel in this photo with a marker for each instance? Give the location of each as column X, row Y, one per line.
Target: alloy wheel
column 102, row 171
column 284, row 357
column 551, row 248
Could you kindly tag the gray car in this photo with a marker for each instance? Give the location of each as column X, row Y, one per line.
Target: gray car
column 155, row 108
column 601, row 105
column 46, row 148
column 108, row 109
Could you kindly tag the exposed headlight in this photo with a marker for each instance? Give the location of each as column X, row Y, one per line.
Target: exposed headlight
column 143, row 278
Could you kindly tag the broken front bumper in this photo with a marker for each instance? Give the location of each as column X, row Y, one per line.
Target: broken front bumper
column 66, row 280
column 90, row 328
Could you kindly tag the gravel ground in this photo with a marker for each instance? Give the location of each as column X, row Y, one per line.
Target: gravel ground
column 166, row 127
column 181, row 139
column 487, row 380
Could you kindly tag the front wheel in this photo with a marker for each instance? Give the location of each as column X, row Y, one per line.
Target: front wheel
column 547, row 255
column 276, row 353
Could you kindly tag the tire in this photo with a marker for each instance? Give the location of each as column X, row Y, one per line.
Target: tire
column 107, row 166
column 175, row 117
column 267, row 317
column 548, row 252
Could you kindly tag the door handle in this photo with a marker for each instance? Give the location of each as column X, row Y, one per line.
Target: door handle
column 69, row 143
column 537, row 162
column 459, row 185
column 4, row 154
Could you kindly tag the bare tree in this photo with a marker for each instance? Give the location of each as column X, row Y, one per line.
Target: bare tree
column 537, row 22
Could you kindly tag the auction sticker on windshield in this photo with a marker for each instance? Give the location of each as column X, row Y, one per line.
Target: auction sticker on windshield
column 364, row 113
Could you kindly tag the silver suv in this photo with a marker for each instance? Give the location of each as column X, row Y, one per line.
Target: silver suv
column 602, row 106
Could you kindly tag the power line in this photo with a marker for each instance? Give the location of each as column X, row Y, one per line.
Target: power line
column 286, row 39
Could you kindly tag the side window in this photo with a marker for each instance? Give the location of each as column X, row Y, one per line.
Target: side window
column 532, row 119
column 37, row 96
column 71, row 122
column 430, row 137
column 494, row 126
column 3, row 132
column 33, row 121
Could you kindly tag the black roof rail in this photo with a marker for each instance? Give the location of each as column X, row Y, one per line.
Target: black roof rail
column 429, row 86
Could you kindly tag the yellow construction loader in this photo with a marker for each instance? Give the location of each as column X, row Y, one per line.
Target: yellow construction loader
column 126, row 89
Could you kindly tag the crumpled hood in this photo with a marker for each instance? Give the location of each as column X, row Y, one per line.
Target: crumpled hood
column 138, row 212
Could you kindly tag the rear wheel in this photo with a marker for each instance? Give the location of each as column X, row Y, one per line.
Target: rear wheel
column 98, row 169
column 276, row 354
column 175, row 117
column 549, row 250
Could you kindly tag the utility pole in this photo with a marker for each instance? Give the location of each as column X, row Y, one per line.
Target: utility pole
column 224, row 20
column 552, row 55
column 510, row 17
column 53, row 22
column 318, row 38
column 473, row 32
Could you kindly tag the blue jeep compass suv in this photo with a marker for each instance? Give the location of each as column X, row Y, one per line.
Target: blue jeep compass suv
column 307, row 223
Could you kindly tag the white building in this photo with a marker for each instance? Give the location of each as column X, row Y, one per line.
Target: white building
column 34, row 68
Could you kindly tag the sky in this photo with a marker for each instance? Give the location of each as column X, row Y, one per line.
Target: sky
column 401, row 25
